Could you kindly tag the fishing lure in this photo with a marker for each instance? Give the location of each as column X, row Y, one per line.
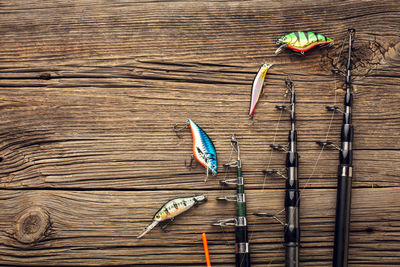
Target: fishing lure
column 203, row 148
column 171, row 209
column 257, row 87
column 302, row 41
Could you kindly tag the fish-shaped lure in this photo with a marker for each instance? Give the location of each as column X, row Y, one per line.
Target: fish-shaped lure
column 171, row 209
column 302, row 41
column 257, row 87
column 203, row 148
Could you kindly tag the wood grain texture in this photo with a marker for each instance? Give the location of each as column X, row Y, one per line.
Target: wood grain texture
column 93, row 225
column 90, row 91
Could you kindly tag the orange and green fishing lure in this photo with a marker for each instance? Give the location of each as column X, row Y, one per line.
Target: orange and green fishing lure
column 302, row 41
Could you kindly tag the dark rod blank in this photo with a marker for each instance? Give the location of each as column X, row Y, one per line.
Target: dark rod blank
column 345, row 173
column 292, row 198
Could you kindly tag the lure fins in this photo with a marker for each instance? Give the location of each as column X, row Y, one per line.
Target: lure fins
column 171, row 209
column 302, row 41
column 257, row 87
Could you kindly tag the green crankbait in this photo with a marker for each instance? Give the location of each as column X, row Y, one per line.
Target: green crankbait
column 302, row 41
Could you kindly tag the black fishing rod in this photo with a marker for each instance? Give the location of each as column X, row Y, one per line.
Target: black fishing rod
column 240, row 222
column 345, row 169
column 292, row 195
column 345, row 172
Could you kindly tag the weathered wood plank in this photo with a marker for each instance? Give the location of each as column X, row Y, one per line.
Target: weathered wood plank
column 86, row 226
column 213, row 29
column 102, row 137
column 89, row 92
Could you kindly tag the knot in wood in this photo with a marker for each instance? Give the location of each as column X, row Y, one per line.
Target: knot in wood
column 45, row 76
column 32, row 225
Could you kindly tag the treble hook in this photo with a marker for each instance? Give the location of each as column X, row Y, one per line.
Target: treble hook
column 178, row 128
column 191, row 165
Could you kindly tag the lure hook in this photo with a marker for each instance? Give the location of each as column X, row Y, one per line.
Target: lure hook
column 178, row 128
column 191, row 165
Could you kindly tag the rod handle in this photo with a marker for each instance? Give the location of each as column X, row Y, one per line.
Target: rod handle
column 242, row 246
column 342, row 225
column 242, row 260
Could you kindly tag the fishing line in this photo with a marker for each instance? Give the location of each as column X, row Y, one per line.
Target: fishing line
column 265, row 176
column 330, row 122
column 222, row 187
column 273, row 142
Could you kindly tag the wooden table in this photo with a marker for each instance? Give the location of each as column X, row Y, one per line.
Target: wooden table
column 90, row 91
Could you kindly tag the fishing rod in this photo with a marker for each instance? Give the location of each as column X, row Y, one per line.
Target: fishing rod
column 345, row 172
column 292, row 198
column 240, row 222
column 345, row 169
column 292, row 195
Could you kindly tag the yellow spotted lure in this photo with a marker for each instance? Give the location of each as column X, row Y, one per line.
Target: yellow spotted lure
column 302, row 41
column 171, row 209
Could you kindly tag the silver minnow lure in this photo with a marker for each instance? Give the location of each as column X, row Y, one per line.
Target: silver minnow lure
column 257, row 87
column 171, row 209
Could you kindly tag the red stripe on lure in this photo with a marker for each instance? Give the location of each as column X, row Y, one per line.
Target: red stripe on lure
column 257, row 87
